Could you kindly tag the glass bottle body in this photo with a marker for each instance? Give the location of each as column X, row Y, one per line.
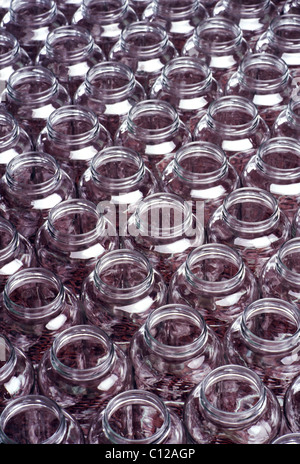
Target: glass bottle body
column 189, row 86
column 291, row 406
column 35, row 307
column 32, row 185
column 251, row 222
column 70, row 52
column 287, row 122
column 215, row 281
column 110, row 90
column 113, row 425
column 172, row 352
column 245, row 412
column 18, row 423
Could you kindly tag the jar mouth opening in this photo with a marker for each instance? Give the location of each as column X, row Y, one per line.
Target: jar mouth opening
column 94, row 346
column 9, row 46
column 293, row 110
column 44, row 11
column 179, row 10
column 107, row 10
column 9, row 238
column 110, row 79
column 287, row 260
column 228, row 36
column 271, row 325
column 59, row 43
column 175, row 331
column 186, row 75
column 247, row 8
column 280, row 156
column 9, row 128
column 283, row 24
column 137, row 401
column 34, row 282
column 144, row 38
column 42, row 406
column 7, row 357
column 225, row 378
column 230, row 114
column 264, row 72
column 22, row 78
column 200, row 162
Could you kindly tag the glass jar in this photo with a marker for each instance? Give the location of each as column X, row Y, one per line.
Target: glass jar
column 117, row 181
column 105, row 19
column 164, row 229
column 251, row 222
column 276, row 168
column 110, row 90
column 172, row 352
column 31, row 95
column 178, row 18
column 215, row 281
column 292, row 406
column 12, row 56
column 69, row 52
column 280, row 277
column 68, row 8
column 232, row 406
column 291, row 7
column 287, row 122
column 4, row 8
column 120, row 293
column 31, row 186
column 218, row 42
column 153, row 129
column 266, row 338
column 188, row 85
column 14, row 140
column 35, row 307
column 139, row 6
column 16, row 252
column 30, row 21
column 233, row 123
column 296, row 224
column 252, row 17
column 114, row 424
column 82, row 371
column 73, row 135
column 36, row 420
column 287, row 439
column 72, row 239
column 201, row 173
column 16, row 373
column 266, row 81
column 145, row 47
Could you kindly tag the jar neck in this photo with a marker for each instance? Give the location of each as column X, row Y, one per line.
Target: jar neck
column 10, row 47
column 270, row 338
column 162, row 332
column 110, row 81
column 293, row 112
column 284, row 31
column 143, row 39
column 176, row 10
column 10, row 240
column 129, row 401
column 37, row 282
column 8, row 358
column 30, row 406
column 279, row 158
column 286, row 261
column 9, row 129
column 200, row 163
column 246, row 9
column 241, row 379
column 218, row 36
column 103, row 10
column 237, row 205
column 41, row 84
column 97, row 353
column 41, row 11
column 69, row 43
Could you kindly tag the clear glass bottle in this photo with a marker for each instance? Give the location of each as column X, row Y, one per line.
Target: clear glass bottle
column 219, row 43
column 32, row 185
column 36, row 420
column 114, row 424
column 287, row 123
column 251, row 222
column 280, row 277
column 73, row 136
column 120, row 293
column 16, row 372
column 145, row 47
column 12, row 56
column 266, row 338
column 164, row 228
column 69, row 52
column 291, row 406
column 154, row 129
column 233, row 123
column 296, row 224
column 266, row 81
column 276, row 168
column 35, row 307
column 232, row 406
column 201, row 173
column 117, row 181
column 82, row 371
column 31, row 95
column 172, row 352
column 188, row 85
column 72, row 239
column 178, row 18
column 30, row 21
column 287, row 439
column 16, row 252
column 105, row 19
column 252, row 17
column 14, row 140
column 215, row 281
column 110, row 90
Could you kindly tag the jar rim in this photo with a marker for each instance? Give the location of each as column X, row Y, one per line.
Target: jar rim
column 140, row 28
column 226, row 24
column 70, row 31
column 38, row 18
column 181, row 62
column 286, row 248
column 7, row 37
column 268, row 147
column 36, row 72
column 178, row 11
column 116, row 10
column 281, row 21
column 234, row 102
column 14, row 241
column 15, row 128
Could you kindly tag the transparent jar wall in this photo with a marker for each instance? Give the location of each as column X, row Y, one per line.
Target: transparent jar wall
column 68, row 8
column 292, row 405
column 139, row 6
column 287, row 122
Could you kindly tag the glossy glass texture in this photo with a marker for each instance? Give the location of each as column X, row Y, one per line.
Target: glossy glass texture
column 287, row 439
column 292, row 406
column 287, row 122
column 139, row 6
column 68, row 8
